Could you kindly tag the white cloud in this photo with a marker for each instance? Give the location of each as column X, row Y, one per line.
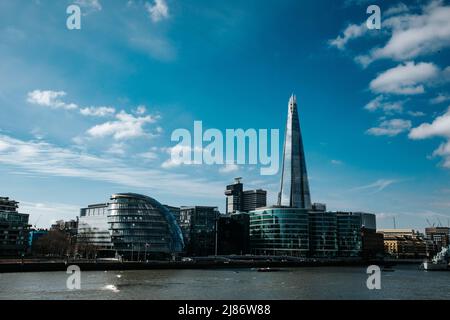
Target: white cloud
column 440, row 127
column 336, row 162
column 228, row 168
column 117, row 149
column 440, row 98
column 50, row 160
column 352, row 31
column 48, row 98
column 414, row 35
column 390, row 128
column 378, row 185
column 416, row 113
column 176, row 159
column 444, row 151
column 405, row 79
column 140, row 110
column 158, row 10
column 125, row 127
column 91, row 5
column 397, row 9
column 53, row 99
column 379, row 103
column 97, row 111
column 148, row 155
column 45, row 214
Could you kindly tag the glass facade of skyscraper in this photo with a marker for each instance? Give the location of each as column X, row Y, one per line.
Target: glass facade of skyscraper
column 294, row 191
column 279, row 231
column 349, row 234
column 323, row 234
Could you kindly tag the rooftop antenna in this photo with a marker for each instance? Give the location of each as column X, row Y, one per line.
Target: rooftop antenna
column 395, row 225
column 237, row 180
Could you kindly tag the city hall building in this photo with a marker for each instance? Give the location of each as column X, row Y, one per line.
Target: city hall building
column 131, row 225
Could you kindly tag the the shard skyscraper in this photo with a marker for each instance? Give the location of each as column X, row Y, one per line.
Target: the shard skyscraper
column 294, row 191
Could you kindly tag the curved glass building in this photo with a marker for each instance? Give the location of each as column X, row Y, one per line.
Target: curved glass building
column 141, row 224
column 131, row 225
column 279, row 231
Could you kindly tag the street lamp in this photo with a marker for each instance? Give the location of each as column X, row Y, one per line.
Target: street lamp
column 146, row 246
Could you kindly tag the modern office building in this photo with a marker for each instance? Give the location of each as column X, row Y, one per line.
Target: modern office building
column 233, row 234
column 238, row 200
column 133, row 226
column 349, row 236
column 94, row 229
column 294, row 190
column 234, row 193
column 13, row 229
column 279, row 231
column 254, row 199
column 323, row 233
column 198, row 225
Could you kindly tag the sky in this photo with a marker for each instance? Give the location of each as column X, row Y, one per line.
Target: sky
column 88, row 113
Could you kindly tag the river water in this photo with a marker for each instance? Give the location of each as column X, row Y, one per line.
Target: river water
column 406, row 282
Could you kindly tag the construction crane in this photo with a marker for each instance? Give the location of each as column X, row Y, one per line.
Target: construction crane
column 37, row 220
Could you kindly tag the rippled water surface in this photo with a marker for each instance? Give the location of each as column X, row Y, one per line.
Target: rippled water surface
column 406, row 282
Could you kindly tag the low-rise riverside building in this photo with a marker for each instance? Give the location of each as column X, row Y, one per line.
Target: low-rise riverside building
column 404, row 243
column 14, row 229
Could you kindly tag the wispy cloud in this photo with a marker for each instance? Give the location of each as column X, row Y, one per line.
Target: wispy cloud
column 49, row 98
column 380, row 103
column 378, row 185
column 228, row 168
column 158, row 11
column 43, row 214
column 336, row 162
column 50, row 160
column 54, row 100
column 353, row 31
column 97, row 111
column 90, row 5
column 440, row 98
column 390, row 128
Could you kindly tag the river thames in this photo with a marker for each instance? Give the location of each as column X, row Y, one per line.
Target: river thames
column 406, row 282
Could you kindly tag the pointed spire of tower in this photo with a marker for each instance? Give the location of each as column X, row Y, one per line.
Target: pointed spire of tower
column 294, row 190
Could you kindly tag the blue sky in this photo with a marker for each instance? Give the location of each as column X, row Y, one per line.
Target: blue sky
column 86, row 113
